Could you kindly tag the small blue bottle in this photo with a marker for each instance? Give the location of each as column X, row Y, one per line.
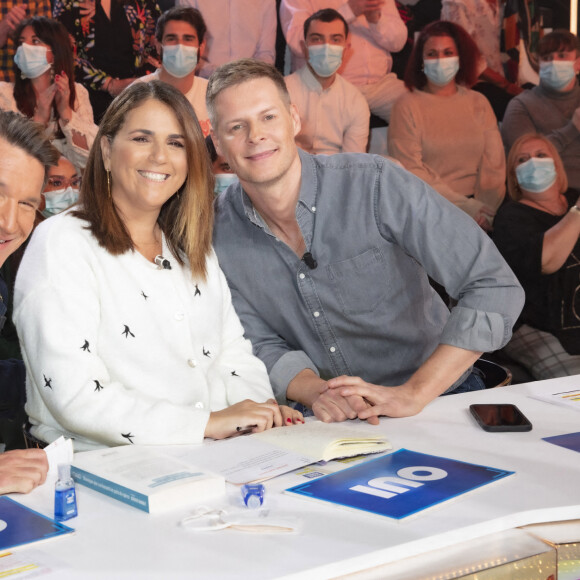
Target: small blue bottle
column 65, row 497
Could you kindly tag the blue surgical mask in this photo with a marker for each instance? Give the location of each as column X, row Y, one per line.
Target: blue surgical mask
column 31, row 60
column 59, row 200
column 179, row 60
column 536, row 174
column 223, row 181
column 441, row 71
column 557, row 74
column 325, row 59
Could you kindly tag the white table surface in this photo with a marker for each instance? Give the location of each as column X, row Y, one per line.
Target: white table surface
column 113, row 540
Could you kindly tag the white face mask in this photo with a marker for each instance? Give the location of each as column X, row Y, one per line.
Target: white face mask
column 441, row 71
column 223, row 181
column 179, row 60
column 59, row 200
column 325, row 59
column 31, row 60
column 557, row 74
column 536, row 174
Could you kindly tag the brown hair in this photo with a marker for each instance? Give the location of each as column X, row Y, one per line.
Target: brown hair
column 23, row 133
column 556, row 41
column 237, row 72
column 513, row 186
column 466, row 49
column 186, row 218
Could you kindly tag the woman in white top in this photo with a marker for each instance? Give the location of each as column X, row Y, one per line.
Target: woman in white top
column 125, row 319
column 44, row 88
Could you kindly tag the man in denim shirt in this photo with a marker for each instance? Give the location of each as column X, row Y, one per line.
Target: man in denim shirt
column 327, row 259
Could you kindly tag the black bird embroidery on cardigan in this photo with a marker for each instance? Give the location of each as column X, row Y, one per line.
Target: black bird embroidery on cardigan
column 206, row 352
column 144, row 295
column 127, row 332
column 47, row 382
column 128, row 437
column 197, row 291
column 234, row 374
column 98, row 385
column 85, row 346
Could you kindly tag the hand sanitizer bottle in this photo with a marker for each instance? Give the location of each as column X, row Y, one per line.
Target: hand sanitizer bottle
column 65, row 498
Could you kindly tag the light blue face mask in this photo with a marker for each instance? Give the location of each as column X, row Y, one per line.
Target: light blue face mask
column 536, row 174
column 31, row 60
column 441, row 71
column 223, row 181
column 557, row 74
column 59, row 200
column 325, row 59
column 179, row 59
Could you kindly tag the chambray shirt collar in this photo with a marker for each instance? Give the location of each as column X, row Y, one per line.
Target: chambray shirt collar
column 306, row 207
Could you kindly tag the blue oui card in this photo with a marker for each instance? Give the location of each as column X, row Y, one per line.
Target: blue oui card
column 399, row 484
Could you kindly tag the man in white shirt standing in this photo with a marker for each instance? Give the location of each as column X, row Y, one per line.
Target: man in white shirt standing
column 236, row 30
column 180, row 36
column 376, row 30
column 333, row 113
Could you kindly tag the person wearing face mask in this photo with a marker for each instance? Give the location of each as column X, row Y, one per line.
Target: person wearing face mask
column 538, row 233
column 45, row 91
column 221, row 169
column 180, row 40
column 553, row 107
column 445, row 133
column 61, row 190
column 333, row 113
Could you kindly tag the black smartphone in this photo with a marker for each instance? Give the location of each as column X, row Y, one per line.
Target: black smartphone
column 500, row 417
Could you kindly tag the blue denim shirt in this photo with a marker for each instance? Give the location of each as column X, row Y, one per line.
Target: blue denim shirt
column 368, row 310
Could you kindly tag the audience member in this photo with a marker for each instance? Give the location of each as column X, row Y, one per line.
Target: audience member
column 236, row 30
column 62, row 188
column 445, row 133
column 538, row 233
column 553, row 107
column 328, row 256
column 23, row 151
column 222, row 172
column 376, row 30
column 334, row 116
column 115, row 43
column 482, row 19
column 129, row 273
column 45, row 89
column 180, row 36
column 11, row 15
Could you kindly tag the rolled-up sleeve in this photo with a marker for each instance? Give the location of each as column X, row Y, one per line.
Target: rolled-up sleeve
column 455, row 252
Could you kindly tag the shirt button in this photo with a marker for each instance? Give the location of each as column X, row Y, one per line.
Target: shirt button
column 192, row 363
column 316, row 314
column 332, row 349
column 301, row 276
column 199, row 405
column 179, row 316
column 313, row 208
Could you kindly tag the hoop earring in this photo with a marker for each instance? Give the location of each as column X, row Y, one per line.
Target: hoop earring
column 109, row 183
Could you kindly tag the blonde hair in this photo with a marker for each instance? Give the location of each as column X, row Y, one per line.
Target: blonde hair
column 513, row 186
column 186, row 218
